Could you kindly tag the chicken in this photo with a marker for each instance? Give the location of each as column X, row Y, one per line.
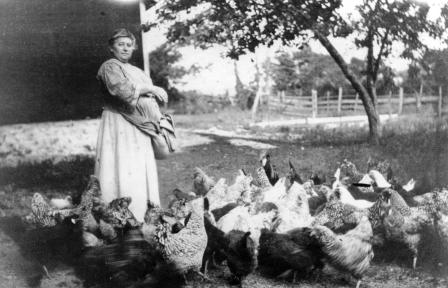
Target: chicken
column 317, row 180
column 434, row 201
column 185, row 249
column 151, row 220
column 441, row 227
column 202, row 183
column 384, row 167
column 349, row 169
column 119, row 215
column 293, row 175
column 344, row 196
column 271, row 171
column 341, row 192
column 240, row 219
column 277, row 192
column 236, row 247
column 61, row 203
column 295, row 250
column 219, row 212
column 350, row 252
column 339, row 216
column 262, row 179
column 406, row 228
column 293, row 210
column 217, row 195
column 42, row 214
column 315, row 202
column 241, row 185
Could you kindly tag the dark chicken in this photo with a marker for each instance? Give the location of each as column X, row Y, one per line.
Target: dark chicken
column 295, row 250
column 271, row 171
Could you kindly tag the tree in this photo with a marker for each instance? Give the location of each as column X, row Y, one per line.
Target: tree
column 428, row 72
column 379, row 25
column 165, row 73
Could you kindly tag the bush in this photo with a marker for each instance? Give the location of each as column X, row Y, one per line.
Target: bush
column 195, row 102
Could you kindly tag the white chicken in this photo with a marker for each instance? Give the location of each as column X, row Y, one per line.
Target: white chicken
column 240, row 219
column 294, row 211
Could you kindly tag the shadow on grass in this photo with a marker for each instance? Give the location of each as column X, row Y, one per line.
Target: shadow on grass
column 72, row 172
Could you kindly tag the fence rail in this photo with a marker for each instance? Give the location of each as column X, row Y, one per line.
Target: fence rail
column 342, row 105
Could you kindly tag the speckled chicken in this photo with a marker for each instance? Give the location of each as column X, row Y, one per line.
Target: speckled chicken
column 350, row 252
column 339, row 216
column 408, row 228
column 42, row 215
column 119, row 215
column 185, row 249
column 349, row 169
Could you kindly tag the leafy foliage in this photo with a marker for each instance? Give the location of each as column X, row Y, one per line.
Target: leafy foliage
column 378, row 26
column 430, row 71
column 165, row 73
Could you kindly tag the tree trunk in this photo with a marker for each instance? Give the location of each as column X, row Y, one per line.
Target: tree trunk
column 368, row 100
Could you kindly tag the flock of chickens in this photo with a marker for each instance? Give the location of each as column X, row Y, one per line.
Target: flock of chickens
column 282, row 226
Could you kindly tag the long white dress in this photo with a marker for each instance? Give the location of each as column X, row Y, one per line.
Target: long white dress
column 125, row 163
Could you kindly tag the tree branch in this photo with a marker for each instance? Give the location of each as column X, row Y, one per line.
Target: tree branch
column 380, row 54
column 356, row 83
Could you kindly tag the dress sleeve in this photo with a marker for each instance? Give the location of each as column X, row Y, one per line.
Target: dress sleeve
column 118, row 85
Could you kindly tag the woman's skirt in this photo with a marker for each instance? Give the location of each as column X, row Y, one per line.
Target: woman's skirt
column 125, row 163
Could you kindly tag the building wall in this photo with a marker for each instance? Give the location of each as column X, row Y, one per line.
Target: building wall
column 50, row 53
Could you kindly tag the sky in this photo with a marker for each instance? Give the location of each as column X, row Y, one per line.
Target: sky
column 217, row 77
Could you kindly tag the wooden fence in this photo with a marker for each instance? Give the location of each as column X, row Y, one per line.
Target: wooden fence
column 344, row 105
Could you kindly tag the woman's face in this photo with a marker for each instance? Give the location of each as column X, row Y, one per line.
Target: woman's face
column 123, row 48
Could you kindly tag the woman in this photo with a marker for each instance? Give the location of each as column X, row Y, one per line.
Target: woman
column 125, row 164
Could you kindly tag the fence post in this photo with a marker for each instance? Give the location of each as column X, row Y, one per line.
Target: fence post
column 418, row 97
column 328, row 101
column 439, row 110
column 400, row 101
column 314, row 102
column 356, row 102
column 389, row 100
column 339, row 100
column 282, row 95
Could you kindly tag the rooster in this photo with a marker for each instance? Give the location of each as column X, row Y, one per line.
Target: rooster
column 185, row 249
column 202, row 183
column 350, row 252
column 271, row 171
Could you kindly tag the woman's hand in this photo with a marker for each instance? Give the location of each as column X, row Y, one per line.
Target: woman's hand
column 160, row 93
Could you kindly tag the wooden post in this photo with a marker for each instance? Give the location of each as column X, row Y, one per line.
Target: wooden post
column 418, row 99
column 282, row 96
column 339, row 100
column 356, row 102
column 400, row 101
column 328, row 101
column 439, row 107
column 389, row 100
column 314, row 103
